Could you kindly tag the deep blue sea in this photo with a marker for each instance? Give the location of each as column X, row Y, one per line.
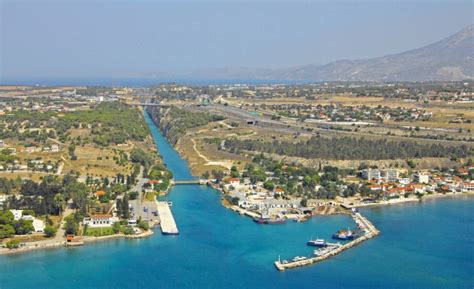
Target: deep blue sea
column 425, row 245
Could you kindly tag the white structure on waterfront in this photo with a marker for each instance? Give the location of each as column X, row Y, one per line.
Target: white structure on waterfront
column 100, row 220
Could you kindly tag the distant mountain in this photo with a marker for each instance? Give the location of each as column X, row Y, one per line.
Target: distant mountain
column 449, row 59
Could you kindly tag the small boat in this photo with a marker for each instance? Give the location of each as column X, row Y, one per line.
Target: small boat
column 170, row 203
column 299, row 258
column 317, row 243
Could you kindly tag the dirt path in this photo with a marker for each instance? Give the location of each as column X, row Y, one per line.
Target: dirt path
column 225, row 164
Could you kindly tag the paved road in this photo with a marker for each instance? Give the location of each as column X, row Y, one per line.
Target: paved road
column 141, row 181
column 292, row 127
column 140, row 207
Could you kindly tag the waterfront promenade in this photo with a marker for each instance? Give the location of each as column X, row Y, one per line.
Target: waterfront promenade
column 167, row 222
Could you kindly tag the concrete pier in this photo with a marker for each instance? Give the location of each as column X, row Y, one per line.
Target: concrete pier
column 167, row 223
column 369, row 232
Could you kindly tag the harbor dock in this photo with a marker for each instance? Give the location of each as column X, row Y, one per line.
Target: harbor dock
column 369, row 231
column 167, row 222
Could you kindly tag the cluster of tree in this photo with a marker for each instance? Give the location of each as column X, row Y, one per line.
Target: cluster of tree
column 8, row 186
column 161, row 173
column 71, row 223
column 49, row 196
column 110, row 123
column 176, row 121
column 123, row 207
column 9, row 226
column 347, row 148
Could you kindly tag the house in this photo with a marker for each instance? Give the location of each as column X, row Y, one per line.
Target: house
column 278, row 191
column 153, row 183
column 375, row 187
column 234, row 181
column 100, row 220
column 54, row 148
column 422, row 178
column 38, row 225
column 419, row 188
column 100, row 194
column 467, row 186
column 17, row 214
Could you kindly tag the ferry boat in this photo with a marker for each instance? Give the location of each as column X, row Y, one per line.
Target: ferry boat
column 269, row 221
column 316, row 243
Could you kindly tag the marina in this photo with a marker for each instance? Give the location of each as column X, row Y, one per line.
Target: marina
column 328, row 250
column 167, row 222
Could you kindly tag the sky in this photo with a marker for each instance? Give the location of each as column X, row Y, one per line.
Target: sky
column 137, row 38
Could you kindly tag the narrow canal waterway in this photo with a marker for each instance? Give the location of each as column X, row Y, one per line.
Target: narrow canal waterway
column 426, row 245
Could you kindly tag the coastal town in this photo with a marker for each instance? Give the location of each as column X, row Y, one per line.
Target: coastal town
column 74, row 169
column 202, row 144
column 89, row 175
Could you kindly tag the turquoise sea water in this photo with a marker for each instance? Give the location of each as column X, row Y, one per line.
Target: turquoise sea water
column 426, row 245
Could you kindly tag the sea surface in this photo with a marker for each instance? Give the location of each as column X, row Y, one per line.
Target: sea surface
column 425, row 245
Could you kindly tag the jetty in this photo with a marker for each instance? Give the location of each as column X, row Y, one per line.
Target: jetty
column 365, row 225
column 167, row 222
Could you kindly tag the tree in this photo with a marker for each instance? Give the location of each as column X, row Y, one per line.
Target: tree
column 23, row 226
column 71, row 226
column 143, row 225
column 206, row 175
column 6, row 217
column 304, row 202
column 125, row 207
column 60, row 202
column 6, row 231
column 269, row 185
column 13, row 244
column 234, row 172
column 116, row 227
column 133, row 195
column 50, row 231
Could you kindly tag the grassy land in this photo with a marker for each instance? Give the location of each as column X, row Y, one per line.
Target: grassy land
column 98, row 232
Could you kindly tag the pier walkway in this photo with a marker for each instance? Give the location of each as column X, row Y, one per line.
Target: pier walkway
column 167, row 223
column 369, row 232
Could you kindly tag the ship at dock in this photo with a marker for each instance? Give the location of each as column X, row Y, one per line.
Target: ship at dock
column 269, row 221
column 345, row 235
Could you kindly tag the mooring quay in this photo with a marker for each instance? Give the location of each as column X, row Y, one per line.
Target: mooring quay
column 167, row 223
column 369, row 232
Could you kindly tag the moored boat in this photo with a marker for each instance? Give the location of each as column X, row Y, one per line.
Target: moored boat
column 269, row 221
column 344, row 235
column 317, row 243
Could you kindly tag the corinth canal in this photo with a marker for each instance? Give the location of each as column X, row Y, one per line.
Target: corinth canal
column 425, row 245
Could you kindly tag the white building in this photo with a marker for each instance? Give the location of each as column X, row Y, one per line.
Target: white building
column 371, row 174
column 100, row 220
column 38, row 225
column 17, row 214
column 422, row 178
column 390, row 175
